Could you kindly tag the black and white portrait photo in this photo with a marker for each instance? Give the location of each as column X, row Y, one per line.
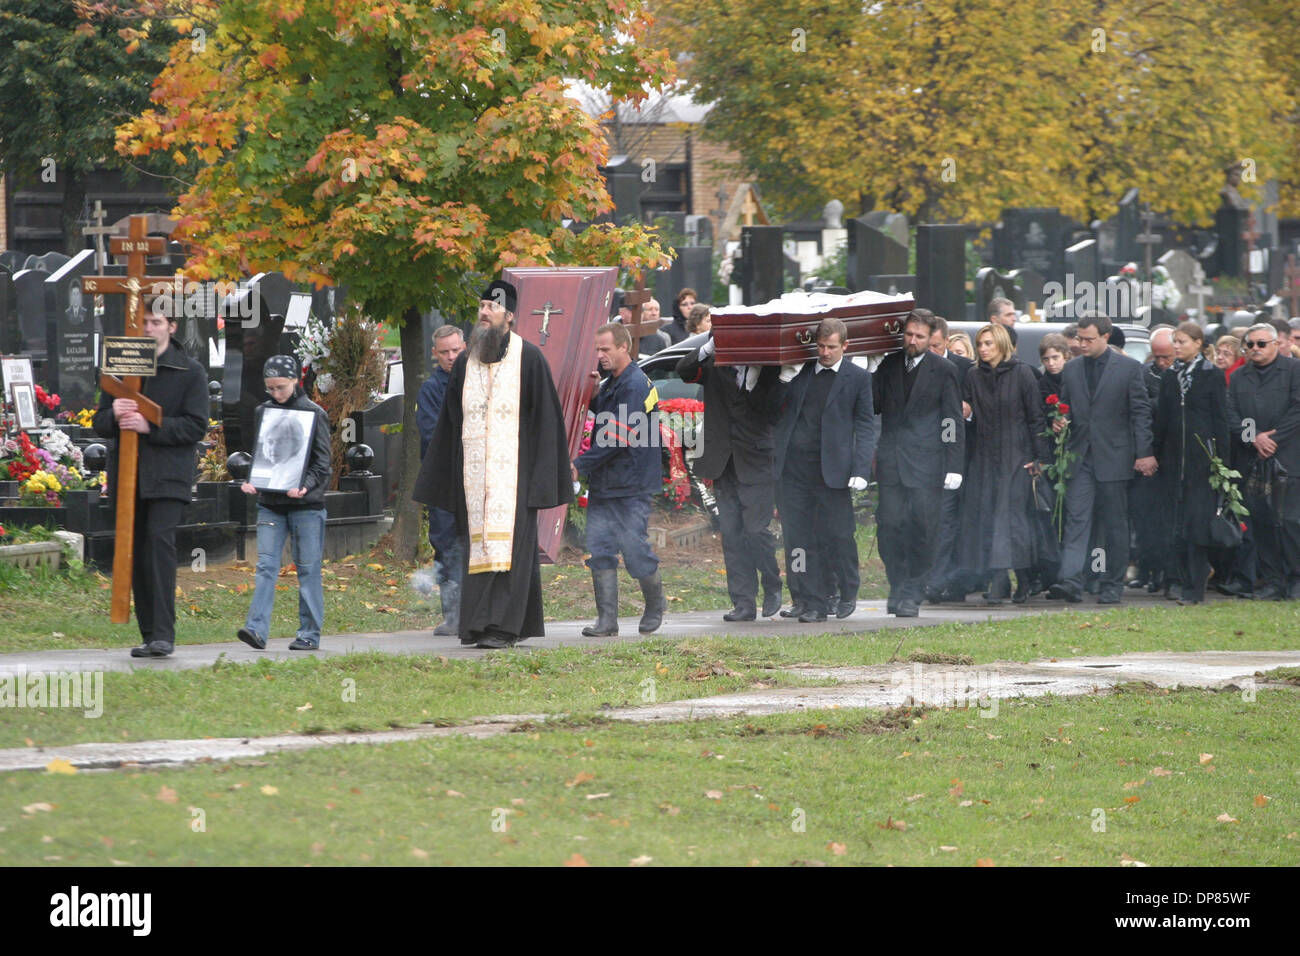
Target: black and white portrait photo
column 281, row 449
column 25, row 405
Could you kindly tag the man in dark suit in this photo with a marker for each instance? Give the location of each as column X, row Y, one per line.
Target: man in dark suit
column 824, row 445
column 948, row 582
column 921, row 451
column 742, row 406
column 1264, row 422
column 1110, row 435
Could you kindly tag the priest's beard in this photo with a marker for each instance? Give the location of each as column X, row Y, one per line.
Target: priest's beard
column 486, row 342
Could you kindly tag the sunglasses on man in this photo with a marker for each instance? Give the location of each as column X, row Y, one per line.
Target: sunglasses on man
column 1258, row 343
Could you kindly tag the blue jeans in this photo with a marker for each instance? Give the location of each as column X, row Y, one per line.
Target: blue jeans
column 307, row 526
column 619, row 525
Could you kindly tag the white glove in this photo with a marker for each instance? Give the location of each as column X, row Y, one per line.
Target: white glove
column 857, row 484
column 789, row 371
column 951, row 481
column 577, row 486
column 707, row 348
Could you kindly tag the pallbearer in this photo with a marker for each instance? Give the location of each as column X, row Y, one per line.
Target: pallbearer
column 623, row 465
column 165, row 477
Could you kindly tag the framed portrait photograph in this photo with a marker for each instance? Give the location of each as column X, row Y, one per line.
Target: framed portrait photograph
column 25, row 404
column 281, row 449
column 15, row 370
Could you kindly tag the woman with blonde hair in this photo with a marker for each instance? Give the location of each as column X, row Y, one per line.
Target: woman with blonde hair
column 959, row 344
column 998, row 519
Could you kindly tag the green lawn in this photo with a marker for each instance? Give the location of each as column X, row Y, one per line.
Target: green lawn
column 1082, row 781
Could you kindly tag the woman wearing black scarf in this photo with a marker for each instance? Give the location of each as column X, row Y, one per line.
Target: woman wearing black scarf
column 1193, row 405
column 998, row 517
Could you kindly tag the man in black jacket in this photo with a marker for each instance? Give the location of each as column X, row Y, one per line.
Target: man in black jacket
column 920, row 454
column 165, row 477
column 741, row 408
column 948, row 582
column 824, row 447
column 624, row 470
column 1264, row 422
column 1110, row 434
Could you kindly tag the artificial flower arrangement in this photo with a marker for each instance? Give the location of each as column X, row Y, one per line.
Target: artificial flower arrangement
column 46, row 471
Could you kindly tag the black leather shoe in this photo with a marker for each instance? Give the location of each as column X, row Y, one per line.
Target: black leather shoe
column 812, row 617
column 891, row 606
column 1293, row 591
column 1137, row 583
column 907, row 608
column 494, row 642
column 1173, row 592
column 795, row 609
column 953, row 597
column 251, row 638
column 772, row 603
column 1269, row 593
column 1153, row 586
column 1063, row 592
column 1109, row 596
column 152, row 649
column 739, row 614
column 933, row 596
column 844, row 608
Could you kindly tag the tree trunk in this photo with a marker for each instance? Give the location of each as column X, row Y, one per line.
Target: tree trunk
column 406, row 526
column 74, row 198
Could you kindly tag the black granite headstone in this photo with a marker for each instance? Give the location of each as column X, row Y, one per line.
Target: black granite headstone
column 691, row 269
column 1081, row 263
column 48, row 263
column 328, row 302
column 1031, row 283
column 1128, row 223
column 699, row 230
column 13, row 261
column 623, row 180
column 249, row 343
column 941, row 270
column 70, row 333
column 1229, row 223
column 11, row 335
column 1031, row 238
column 762, row 264
column 873, row 252
column 29, row 294
column 991, row 284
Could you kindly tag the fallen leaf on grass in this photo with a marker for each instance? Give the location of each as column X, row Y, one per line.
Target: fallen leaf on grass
column 839, row 849
column 1261, row 800
column 419, row 854
column 948, row 849
column 1132, row 800
column 669, row 809
column 1206, row 758
column 1161, row 772
column 166, row 794
column 1135, row 783
column 639, row 860
column 454, row 793
column 269, row 790
column 306, row 706
column 576, row 860
column 582, row 777
column 957, row 789
column 984, row 861
column 713, row 794
column 597, row 796
column 892, row 824
column 38, row 807
column 517, row 802
column 913, row 797
column 59, row 765
column 374, row 567
column 1126, row 860
column 966, row 803
column 1226, row 818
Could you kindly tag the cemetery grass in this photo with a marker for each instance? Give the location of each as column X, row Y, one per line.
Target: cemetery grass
column 308, row 696
column 1167, row 779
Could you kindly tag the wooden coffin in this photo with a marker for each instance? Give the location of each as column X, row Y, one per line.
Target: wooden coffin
column 784, row 331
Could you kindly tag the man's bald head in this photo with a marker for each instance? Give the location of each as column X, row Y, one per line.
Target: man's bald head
column 1162, row 348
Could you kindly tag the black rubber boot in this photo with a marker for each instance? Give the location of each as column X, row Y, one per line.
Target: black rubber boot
column 605, row 584
column 652, row 589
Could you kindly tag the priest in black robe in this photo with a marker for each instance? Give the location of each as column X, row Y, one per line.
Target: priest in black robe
column 498, row 456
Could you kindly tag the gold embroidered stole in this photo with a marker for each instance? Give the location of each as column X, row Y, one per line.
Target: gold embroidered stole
column 490, row 440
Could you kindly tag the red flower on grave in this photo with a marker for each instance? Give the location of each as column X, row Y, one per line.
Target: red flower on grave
column 1052, row 399
column 45, row 398
column 1243, row 527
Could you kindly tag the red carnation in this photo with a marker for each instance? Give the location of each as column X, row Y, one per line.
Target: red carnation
column 1243, row 527
column 1063, row 408
column 1053, row 399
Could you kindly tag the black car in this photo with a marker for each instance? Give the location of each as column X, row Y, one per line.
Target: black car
column 1137, row 338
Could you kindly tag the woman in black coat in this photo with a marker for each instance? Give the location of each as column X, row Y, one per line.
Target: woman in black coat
column 1193, row 404
column 998, row 517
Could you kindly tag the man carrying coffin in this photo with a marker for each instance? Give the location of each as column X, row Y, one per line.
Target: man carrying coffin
column 824, row 447
column 497, row 457
column 166, row 476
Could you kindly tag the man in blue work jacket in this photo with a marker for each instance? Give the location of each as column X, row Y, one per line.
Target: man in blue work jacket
column 448, row 549
column 625, row 474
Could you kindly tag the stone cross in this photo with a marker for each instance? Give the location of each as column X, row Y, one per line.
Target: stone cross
column 1147, row 238
column 136, row 247
column 721, row 211
column 1198, row 288
column 749, row 208
column 1290, row 290
column 99, row 231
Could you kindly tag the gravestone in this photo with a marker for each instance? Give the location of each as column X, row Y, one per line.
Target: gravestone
column 762, row 264
column 875, row 251
column 941, row 270
column 699, row 231
column 1181, row 266
column 892, row 224
column 692, row 269
column 1081, row 263
column 623, row 179
column 671, row 226
column 1031, row 283
column 249, row 343
column 29, row 297
column 48, row 263
column 991, row 284
column 12, row 261
column 70, row 334
column 1128, row 223
column 373, row 428
column 328, row 302
column 1033, row 238
column 11, row 336
column 893, row 285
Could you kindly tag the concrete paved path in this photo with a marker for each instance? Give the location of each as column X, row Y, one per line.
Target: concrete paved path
column 870, row 616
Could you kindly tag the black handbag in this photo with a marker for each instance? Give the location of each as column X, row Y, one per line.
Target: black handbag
column 1226, row 529
column 1044, row 495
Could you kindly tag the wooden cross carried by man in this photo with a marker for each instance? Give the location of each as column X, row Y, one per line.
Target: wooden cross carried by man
column 136, row 247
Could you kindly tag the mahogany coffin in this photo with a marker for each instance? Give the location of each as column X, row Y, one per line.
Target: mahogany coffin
column 784, row 331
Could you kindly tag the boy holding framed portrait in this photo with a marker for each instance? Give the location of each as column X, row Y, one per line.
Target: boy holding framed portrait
column 290, row 473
